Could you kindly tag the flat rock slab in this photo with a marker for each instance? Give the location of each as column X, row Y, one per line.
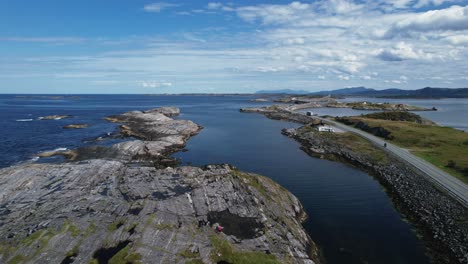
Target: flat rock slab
column 100, row 209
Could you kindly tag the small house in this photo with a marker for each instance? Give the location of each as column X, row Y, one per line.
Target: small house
column 325, row 128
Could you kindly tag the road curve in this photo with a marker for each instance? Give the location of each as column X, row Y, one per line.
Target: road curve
column 444, row 181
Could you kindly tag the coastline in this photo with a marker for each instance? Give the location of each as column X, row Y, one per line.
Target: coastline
column 440, row 220
column 125, row 203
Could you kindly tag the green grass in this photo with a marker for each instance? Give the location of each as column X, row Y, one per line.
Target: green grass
column 115, row 225
column 68, row 226
column 360, row 145
column 189, row 254
column 355, row 143
column 252, row 181
column 224, row 251
column 17, row 259
column 91, row 229
column 164, row 226
column 436, row 144
column 124, row 256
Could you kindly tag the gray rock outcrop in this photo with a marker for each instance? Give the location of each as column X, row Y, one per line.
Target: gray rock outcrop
column 120, row 210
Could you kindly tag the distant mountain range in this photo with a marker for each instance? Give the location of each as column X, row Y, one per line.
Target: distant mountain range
column 427, row 92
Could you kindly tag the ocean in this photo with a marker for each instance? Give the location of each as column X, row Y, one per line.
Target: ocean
column 350, row 216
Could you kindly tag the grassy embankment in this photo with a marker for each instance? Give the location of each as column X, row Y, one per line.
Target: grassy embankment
column 445, row 147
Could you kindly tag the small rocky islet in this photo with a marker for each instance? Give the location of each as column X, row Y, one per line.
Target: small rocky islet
column 125, row 204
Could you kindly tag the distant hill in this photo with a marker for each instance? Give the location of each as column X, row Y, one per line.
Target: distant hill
column 283, row 91
column 427, row 92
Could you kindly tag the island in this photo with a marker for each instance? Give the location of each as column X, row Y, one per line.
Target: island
column 131, row 203
column 75, row 126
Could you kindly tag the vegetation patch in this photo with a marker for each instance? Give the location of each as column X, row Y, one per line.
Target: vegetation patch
column 224, row 252
column 399, row 116
column 164, row 226
column 17, row 259
column 124, row 256
column 442, row 146
column 252, row 181
column 116, row 225
column 68, row 226
column 91, row 229
column 187, row 253
column 116, row 255
column 70, row 256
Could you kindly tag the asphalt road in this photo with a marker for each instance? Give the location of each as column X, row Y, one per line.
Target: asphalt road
column 444, row 181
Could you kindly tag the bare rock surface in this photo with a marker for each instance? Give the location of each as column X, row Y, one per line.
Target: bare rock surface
column 88, row 210
column 122, row 211
column 156, row 136
column 75, row 126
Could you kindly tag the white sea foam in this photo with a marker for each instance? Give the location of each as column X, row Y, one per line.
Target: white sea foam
column 60, row 149
column 23, row 120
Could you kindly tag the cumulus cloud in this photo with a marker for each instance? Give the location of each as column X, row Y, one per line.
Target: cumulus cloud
column 158, row 6
column 453, row 18
column 458, row 39
column 402, row 51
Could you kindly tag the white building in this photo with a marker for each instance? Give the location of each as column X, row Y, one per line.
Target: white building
column 325, row 129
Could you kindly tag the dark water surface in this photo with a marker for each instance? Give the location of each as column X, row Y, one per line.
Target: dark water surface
column 350, row 216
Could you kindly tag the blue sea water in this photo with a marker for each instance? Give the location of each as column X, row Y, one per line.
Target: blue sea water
column 350, row 216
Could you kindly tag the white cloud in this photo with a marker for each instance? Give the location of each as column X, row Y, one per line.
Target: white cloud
column 341, row 6
column 343, row 77
column 458, row 39
column 295, row 41
column 158, row 6
column 402, row 51
column 453, row 18
column 272, row 13
column 214, row 5
column 154, row 84
column 269, row 69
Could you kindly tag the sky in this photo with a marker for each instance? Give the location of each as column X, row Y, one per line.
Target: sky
column 140, row 46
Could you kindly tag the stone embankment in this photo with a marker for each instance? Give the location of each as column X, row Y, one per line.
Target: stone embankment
column 441, row 220
column 112, row 207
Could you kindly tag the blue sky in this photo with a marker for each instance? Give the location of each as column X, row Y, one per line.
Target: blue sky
column 137, row 46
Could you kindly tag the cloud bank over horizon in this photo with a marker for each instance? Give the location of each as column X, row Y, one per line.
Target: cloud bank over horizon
column 213, row 47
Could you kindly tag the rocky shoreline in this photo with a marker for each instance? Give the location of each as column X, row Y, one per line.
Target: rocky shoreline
column 125, row 204
column 440, row 220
